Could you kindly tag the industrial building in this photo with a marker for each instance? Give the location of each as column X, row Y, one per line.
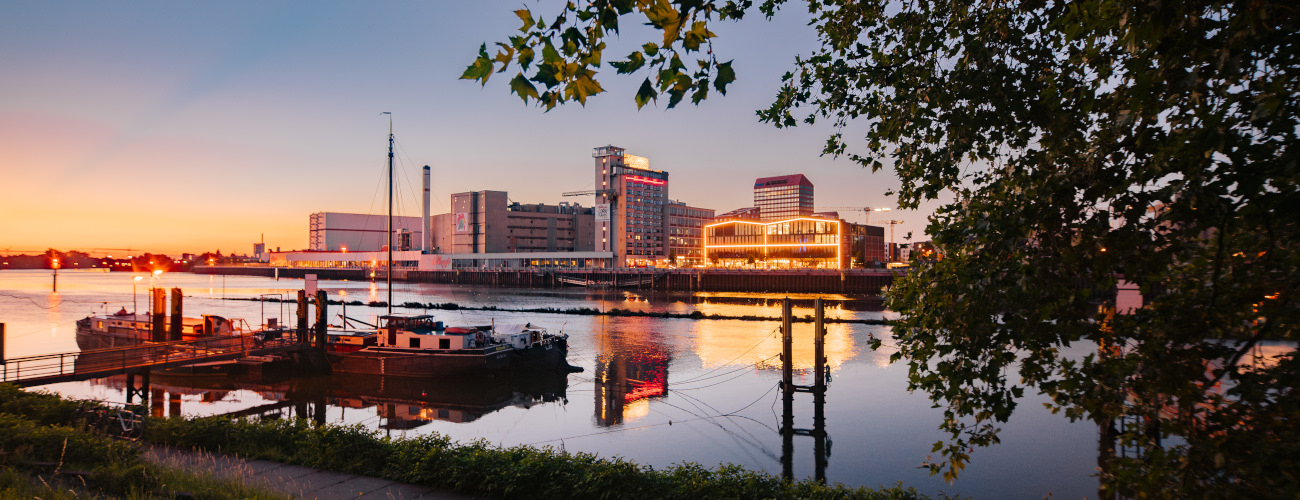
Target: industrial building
column 487, row 222
column 686, row 233
column 339, row 232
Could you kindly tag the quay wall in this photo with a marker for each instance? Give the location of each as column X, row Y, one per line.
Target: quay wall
column 856, row 281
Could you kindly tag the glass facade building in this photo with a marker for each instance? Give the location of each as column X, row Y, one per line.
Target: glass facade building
column 802, row 242
column 783, row 197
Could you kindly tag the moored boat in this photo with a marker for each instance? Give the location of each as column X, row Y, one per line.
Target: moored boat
column 120, row 329
column 418, row 346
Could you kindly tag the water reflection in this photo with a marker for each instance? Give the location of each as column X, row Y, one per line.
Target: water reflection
column 631, row 369
column 759, row 344
column 398, row 403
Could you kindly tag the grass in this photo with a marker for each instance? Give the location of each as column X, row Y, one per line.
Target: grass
column 479, row 468
column 45, row 452
column 42, row 427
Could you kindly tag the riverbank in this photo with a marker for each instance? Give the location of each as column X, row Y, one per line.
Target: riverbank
column 43, row 427
column 579, row 311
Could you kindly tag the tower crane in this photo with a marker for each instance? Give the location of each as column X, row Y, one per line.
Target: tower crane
column 866, row 210
column 891, row 223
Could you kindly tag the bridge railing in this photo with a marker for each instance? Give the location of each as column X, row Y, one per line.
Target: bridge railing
column 138, row 356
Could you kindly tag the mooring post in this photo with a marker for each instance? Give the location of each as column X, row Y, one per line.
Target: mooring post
column 787, row 348
column 819, row 346
column 302, row 316
column 821, row 450
column 2, row 343
column 175, row 333
column 159, row 317
column 322, row 318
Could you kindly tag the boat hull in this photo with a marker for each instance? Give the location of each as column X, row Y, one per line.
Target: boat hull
column 421, row 363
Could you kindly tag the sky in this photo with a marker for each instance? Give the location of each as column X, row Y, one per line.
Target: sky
column 193, row 126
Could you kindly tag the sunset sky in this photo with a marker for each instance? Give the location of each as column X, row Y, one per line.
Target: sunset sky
column 193, row 126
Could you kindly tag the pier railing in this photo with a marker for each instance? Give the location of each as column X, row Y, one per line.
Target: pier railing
column 69, row 366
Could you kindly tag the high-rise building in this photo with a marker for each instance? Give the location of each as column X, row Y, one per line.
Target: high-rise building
column 783, row 197
column 630, row 201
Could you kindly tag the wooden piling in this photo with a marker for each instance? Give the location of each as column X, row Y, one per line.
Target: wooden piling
column 787, row 347
column 302, row 316
column 2, row 343
column 322, row 318
column 159, row 316
column 819, row 346
column 175, row 332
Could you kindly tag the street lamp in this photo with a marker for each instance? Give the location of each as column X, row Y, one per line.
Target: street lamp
column 55, row 265
column 134, row 304
column 344, row 302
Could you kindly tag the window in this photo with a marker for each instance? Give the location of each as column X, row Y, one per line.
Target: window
column 444, row 343
column 415, row 343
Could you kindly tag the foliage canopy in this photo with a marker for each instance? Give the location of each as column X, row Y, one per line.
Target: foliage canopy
column 1086, row 143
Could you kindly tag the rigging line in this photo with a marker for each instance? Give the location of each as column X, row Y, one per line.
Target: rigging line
column 736, row 413
column 402, row 154
column 733, row 360
column 756, row 442
column 723, row 374
column 42, row 330
column 751, row 441
column 612, row 431
column 713, row 384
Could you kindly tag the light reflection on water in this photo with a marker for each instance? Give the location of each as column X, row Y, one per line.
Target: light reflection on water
column 652, row 389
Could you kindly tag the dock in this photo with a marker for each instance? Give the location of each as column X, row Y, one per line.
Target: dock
column 45, row 369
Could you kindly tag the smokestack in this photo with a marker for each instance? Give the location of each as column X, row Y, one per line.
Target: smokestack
column 426, row 243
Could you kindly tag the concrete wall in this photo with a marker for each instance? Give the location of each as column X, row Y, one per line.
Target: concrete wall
column 334, row 231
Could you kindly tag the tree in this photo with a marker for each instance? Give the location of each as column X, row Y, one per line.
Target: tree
column 1085, row 143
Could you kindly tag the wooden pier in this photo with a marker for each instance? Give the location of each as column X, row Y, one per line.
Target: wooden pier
column 45, row 369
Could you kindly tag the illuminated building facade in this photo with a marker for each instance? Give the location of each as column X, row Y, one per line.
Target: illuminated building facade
column 783, row 197
column 630, row 208
column 686, row 233
column 796, row 243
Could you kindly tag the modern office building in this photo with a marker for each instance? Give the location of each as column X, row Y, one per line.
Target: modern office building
column 337, row 232
column 796, row 243
column 686, row 233
column 630, row 208
column 783, row 197
column 483, row 222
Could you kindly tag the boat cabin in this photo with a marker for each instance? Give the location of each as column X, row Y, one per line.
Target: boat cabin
column 125, row 324
column 422, row 332
column 521, row 336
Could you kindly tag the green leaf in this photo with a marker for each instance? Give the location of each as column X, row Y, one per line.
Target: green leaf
column 526, row 17
column 634, row 62
column 525, row 89
column 481, row 69
column 726, row 75
column 645, row 94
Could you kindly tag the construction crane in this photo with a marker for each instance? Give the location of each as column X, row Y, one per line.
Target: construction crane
column 891, row 223
column 597, row 192
column 866, row 210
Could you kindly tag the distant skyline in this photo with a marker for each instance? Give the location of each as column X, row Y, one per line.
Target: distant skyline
column 170, row 127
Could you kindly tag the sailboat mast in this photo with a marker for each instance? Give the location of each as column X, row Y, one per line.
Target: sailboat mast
column 389, row 274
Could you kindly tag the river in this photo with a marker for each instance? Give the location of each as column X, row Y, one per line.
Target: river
column 655, row 391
